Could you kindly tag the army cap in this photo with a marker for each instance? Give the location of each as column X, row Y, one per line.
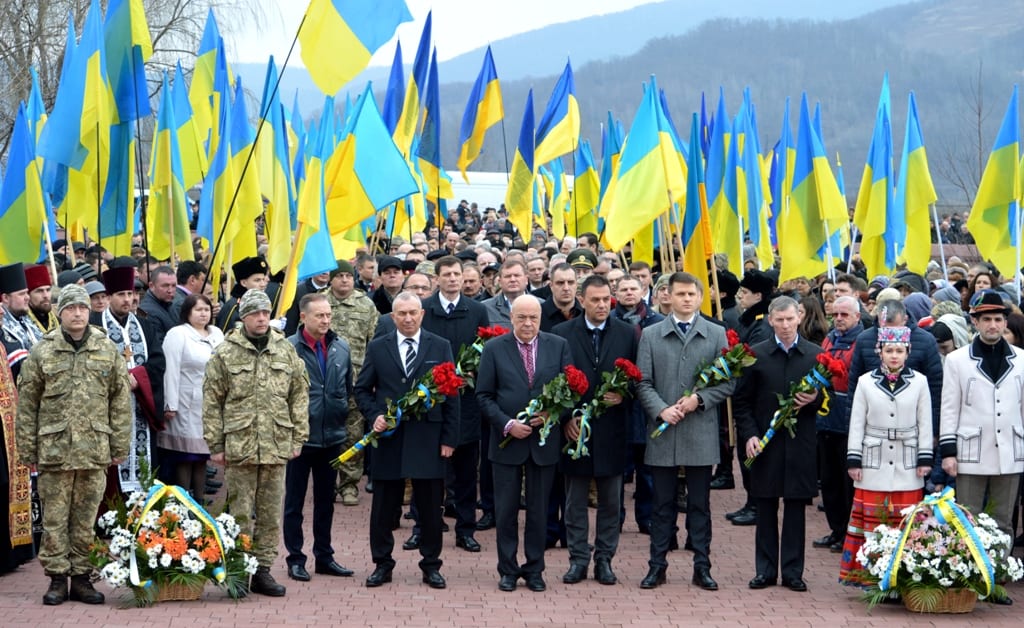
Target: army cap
column 253, row 301
column 582, row 258
column 72, row 294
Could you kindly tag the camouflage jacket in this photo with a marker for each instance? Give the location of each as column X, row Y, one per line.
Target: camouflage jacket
column 255, row 402
column 74, row 408
column 354, row 318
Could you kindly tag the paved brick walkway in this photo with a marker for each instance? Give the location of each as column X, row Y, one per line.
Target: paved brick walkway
column 472, row 597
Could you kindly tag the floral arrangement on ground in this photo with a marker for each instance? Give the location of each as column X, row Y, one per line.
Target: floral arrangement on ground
column 161, row 542
column 939, row 548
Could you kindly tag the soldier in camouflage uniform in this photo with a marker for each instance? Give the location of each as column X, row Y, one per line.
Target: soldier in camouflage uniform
column 73, row 422
column 354, row 318
column 255, row 419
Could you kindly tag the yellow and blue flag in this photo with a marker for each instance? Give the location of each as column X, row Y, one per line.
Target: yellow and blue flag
column 696, row 231
column 193, row 154
column 995, row 216
column 437, row 185
column 167, row 223
column 201, row 91
column 338, row 37
column 275, row 173
column 483, row 110
column 883, row 228
column 612, row 138
column 394, row 96
column 128, row 47
column 915, row 193
column 415, row 91
column 23, row 214
column 559, row 126
column 586, row 192
column 519, row 197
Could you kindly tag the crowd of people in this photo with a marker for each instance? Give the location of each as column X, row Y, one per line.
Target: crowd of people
column 115, row 365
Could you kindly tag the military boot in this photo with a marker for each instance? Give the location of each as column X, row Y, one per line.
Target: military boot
column 58, row 591
column 264, row 583
column 83, row 591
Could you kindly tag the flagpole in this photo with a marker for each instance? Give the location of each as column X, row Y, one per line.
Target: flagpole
column 828, row 252
column 139, row 169
column 702, row 196
column 942, row 249
column 99, row 205
column 170, row 212
column 504, row 150
column 853, row 240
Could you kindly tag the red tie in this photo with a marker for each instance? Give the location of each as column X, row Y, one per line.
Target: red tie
column 526, row 351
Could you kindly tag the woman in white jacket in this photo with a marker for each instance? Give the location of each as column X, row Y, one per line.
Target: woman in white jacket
column 889, row 451
column 187, row 348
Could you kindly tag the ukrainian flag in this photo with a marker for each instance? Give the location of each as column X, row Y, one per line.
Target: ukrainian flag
column 23, row 212
column 586, row 192
column 338, row 37
column 519, row 197
column 275, row 173
column 696, row 232
column 193, row 154
column 883, row 229
column 995, row 216
column 483, row 110
column 559, row 126
column 167, row 212
column 915, row 193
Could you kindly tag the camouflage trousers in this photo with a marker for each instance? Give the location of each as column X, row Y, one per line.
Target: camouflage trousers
column 258, row 490
column 351, row 472
column 70, row 501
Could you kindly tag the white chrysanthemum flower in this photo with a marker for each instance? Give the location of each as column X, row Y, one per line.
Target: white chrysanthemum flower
column 150, row 519
column 136, row 498
column 251, row 564
column 166, row 560
column 154, row 551
column 153, row 563
column 192, row 529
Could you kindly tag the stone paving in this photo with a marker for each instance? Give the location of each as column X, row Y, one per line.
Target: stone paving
column 472, row 597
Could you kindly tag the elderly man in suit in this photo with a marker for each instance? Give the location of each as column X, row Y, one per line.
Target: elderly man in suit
column 787, row 468
column 596, row 342
column 670, row 355
column 419, row 446
column 513, row 370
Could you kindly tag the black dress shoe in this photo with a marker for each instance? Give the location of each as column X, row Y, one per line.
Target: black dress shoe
column 826, row 541
column 655, row 577
column 761, row 582
column 434, row 579
column 836, row 548
column 535, row 582
column 702, row 578
column 577, row 573
column 408, row 515
column 747, row 518
column 380, row 575
column 413, row 542
column 723, row 482
column 449, row 511
column 332, row 569
column 603, row 572
column 796, row 584
column 744, row 510
column 214, row 483
column 369, row 486
column 298, row 572
column 467, row 543
column 507, row 583
column 644, row 528
column 486, row 521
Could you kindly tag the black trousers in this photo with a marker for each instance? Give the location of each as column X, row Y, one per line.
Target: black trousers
column 428, row 495
column 643, row 488
column 508, row 484
column 766, row 538
column 462, row 467
column 724, row 449
column 486, row 474
column 315, row 461
column 836, row 485
column 665, row 513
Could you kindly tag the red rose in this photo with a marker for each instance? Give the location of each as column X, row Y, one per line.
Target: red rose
column 747, row 349
column 486, row 333
column 446, row 380
column 732, row 337
column 576, row 380
column 631, row 370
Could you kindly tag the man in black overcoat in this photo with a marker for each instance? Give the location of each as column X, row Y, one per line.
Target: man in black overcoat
column 513, row 370
column 419, row 446
column 786, row 467
column 596, row 342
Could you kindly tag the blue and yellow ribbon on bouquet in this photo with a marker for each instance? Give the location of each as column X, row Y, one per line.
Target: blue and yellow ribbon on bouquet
column 945, row 509
column 158, row 491
column 578, row 448
column 371, row 437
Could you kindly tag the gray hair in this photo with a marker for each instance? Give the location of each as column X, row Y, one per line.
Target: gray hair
column 846, row 300
column 407, row 296
column 780, row 304
column 886, row 310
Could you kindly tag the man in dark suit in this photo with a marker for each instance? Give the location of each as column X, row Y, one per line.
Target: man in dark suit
column 457, row 319
column 670, row 355
column 787, row 468
column 416, row 451
column 513, row 370
column 596, row 342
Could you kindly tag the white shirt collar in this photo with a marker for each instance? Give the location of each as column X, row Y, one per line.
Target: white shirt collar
column 592, row 327
column 688, row 322
column 401, row 338
column 445, row 302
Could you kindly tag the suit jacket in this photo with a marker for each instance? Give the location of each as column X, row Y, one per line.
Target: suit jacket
column 788, row 466
column 414, row 450
column 607, row 442
column 460, row 330
column 669, row 362
column 499, row 310
column 503, row 391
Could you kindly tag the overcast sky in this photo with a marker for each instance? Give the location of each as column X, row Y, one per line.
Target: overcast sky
column 458, row 25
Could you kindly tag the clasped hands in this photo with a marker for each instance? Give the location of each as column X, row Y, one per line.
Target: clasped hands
column 678, row 411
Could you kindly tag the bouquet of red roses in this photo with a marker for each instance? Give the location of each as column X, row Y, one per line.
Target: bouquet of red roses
column 469, row 355
column 560, row 394
column 736, row 357
column 820, row 378
column 618, row 381
column 433, row 388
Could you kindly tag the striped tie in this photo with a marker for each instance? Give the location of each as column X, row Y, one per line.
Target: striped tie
column 410, row 355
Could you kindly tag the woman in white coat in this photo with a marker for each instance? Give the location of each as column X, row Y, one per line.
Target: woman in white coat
column 187, row 348
column 889, row 450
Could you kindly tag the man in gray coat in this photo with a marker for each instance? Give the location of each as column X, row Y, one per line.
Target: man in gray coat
column 670, row 355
